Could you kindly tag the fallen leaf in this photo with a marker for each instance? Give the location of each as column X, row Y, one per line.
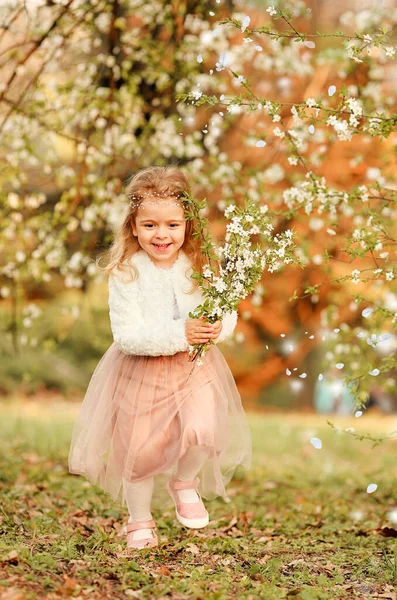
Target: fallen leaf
column 11, row 557
column 387, row 531
column 315, row 524
column 296, row 562
column 192, row 548
column 389, row 593
column 231, row 524
column 263, row 560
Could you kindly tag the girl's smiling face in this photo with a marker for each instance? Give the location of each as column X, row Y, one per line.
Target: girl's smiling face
column 160, row 227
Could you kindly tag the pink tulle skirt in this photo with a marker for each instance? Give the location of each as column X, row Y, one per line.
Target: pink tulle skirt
column 141, row 414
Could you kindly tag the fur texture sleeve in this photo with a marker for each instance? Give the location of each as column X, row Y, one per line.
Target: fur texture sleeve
column 229, row 323
column 131, row 334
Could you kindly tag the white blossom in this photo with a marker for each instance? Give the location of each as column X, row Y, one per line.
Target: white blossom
column 311, row 102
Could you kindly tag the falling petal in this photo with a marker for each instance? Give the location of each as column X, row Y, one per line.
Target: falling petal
column 331, row 90
column 336, row 330
column 372, row 488
column 258, row 48
column 288, row 372
column 310, row 44
column 361, row 334
column 316, row 443
column 311, row 337
column 374, row 372
column 311, row 129
column 350, row 429
column 222, row 97
column 366, row 312
column 260, row 143
column 199, row 58
column 282, row 334
column 339, row 365
column 244, row 24
column 358, row 413
column 384, row 337
column 212, row 14
column 320, row 377
column 223, row 59
column 303, row 375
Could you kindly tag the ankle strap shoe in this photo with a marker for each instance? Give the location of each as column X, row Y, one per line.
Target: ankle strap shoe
column 190, row 514
column 150, row 542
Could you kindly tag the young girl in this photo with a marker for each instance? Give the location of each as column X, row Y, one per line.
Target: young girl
column 146, row 430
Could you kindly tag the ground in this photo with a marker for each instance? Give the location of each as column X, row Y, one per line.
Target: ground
column 300, row 523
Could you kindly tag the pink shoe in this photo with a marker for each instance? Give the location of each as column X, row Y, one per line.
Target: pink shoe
column 146, row 542
column 193, row 515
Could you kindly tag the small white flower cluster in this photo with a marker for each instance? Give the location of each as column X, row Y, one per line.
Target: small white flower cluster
column 353, row 48
column 373, row 126
column 390, row 51
column 341, row 127
column 310, row 102
column 229, row 210
column 297, row 121
column 356, row 111
column 282, row 242
column 363, row 193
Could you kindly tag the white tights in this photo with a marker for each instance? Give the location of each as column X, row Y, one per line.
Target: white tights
column 139, row 494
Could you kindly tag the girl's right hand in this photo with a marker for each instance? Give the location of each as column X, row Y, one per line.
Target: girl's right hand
column 199, row 332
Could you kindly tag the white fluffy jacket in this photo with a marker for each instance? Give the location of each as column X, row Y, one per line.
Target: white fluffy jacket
column 148, row 315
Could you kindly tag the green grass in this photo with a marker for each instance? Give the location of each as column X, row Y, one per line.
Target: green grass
column 300, row 523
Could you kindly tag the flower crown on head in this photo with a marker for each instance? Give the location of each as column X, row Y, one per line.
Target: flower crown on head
column 136, row 199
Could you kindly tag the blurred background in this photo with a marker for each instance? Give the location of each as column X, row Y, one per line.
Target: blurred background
column 88, row 96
